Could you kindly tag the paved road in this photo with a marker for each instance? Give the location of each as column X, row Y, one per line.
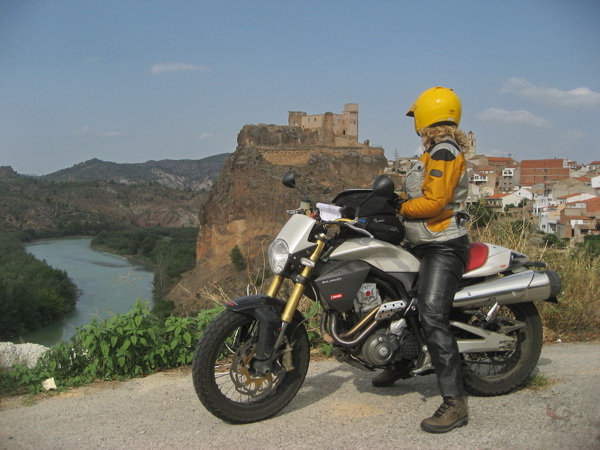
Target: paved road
column 336, row 408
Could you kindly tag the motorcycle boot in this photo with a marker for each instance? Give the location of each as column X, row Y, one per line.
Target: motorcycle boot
column 452, row 413
column 399, row 371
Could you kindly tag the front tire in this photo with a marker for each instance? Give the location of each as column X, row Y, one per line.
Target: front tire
column 223, row 376
column 498, row 373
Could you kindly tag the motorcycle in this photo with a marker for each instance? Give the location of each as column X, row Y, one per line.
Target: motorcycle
column 252, row 359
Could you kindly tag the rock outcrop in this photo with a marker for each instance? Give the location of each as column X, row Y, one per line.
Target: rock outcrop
column 26, row 354
column 247, row 205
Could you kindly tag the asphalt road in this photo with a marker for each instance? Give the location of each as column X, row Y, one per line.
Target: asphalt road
column 336, row 408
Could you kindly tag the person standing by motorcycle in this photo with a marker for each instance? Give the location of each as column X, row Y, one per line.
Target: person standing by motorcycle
column 436, row 233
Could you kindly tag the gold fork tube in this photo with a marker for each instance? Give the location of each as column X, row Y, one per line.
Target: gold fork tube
column 275, row 285
column 292, row 304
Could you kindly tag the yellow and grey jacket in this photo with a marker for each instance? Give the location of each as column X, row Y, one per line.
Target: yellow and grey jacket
column 435, row 188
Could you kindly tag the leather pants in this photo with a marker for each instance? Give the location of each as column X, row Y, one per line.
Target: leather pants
column 442, row 266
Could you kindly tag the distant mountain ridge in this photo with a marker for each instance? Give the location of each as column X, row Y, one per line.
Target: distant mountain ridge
column 190, row 174
column 155, row 193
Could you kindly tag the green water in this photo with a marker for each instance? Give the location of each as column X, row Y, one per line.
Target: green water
column 110, row 284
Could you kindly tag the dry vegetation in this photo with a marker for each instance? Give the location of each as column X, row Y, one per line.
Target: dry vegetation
column 576, row 316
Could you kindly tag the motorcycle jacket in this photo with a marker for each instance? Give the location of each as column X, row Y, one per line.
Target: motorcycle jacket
column 435, row 188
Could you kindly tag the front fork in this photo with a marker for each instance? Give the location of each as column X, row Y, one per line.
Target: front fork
column 291, row 306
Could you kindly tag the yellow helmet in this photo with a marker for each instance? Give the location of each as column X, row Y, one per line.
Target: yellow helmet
column 434, row 106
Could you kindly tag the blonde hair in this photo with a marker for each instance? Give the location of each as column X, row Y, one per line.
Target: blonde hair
column 432, row 135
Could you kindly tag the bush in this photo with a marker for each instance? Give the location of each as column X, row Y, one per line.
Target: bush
column 237, row 259
column 124, row 346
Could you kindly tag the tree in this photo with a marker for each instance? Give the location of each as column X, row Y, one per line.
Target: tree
column 237, row 258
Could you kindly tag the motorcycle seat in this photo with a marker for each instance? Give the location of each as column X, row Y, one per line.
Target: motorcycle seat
column 478, row 255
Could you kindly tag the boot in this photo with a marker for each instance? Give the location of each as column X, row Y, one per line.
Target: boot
column 451, row 414
column 399, row 371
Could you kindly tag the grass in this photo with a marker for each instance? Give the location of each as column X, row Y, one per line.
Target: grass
column 536, row 382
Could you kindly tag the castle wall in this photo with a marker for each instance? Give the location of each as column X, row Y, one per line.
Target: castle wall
column 298, row 156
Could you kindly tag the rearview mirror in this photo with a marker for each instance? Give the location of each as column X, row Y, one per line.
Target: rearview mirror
column 289, row 179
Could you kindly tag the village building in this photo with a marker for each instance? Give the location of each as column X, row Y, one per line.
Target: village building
column 544, row 170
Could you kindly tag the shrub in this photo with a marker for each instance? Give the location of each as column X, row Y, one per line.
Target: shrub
column 124, row 346
column 237, row 258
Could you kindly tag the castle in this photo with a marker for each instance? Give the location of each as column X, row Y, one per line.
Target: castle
column 334, row 130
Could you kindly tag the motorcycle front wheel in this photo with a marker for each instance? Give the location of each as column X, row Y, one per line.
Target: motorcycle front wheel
column 498, row 373
column 224, row 378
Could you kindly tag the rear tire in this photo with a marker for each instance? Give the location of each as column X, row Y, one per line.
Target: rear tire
column 223, row 376
column 498, row 373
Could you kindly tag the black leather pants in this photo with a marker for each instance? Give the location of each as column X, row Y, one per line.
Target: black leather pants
column 442, row 266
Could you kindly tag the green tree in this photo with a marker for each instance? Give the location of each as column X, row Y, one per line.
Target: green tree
column 237, row 258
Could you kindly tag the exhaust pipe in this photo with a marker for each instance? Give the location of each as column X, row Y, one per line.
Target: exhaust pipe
column 527, row 286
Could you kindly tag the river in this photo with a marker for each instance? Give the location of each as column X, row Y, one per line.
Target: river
column 110, row 284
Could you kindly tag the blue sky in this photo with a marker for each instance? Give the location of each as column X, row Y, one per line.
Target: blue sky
column 130, row 81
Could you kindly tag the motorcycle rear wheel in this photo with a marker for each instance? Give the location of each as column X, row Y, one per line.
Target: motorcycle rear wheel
column 497, row 373
column 223, row 376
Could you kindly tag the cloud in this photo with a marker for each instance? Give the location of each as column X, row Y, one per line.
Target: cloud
column 160, row 68
column 85, row 131
column 112, row 134
column 581, row 96
column 513, row 117
column 206, row 136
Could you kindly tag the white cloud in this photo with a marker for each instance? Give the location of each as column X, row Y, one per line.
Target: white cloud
column 513, row 117
column 206, row 136
column 85, row 131
column 581, row 96
column 112, row 134
column 160, row 68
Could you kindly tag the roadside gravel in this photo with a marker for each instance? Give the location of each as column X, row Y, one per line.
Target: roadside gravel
column 336, row 408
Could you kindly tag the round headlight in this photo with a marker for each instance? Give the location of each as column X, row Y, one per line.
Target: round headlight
column 278, row 255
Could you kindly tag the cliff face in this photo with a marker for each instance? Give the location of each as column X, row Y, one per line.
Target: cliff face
column 247, row 204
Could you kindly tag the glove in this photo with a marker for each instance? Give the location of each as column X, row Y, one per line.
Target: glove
column 397, row 202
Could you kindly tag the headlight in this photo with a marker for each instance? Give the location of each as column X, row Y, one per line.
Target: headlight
column 278, row 255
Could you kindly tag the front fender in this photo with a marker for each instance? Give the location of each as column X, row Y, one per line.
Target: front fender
column 267, row 311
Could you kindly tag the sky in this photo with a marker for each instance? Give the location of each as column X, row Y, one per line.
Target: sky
column 132, row 81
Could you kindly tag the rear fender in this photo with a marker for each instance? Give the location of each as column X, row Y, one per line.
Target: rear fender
column 267, row 311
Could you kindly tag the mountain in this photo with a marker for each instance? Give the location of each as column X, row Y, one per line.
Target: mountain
column 95, row 192
column 177, row 174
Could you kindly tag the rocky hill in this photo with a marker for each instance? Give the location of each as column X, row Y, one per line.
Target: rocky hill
column 32, row 203
column 177, row 174
column 247, row 204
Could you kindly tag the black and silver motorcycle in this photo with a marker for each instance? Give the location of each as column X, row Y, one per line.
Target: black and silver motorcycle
column 253, row 358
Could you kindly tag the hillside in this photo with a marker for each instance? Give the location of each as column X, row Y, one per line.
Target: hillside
column 32, row 203
column 177, row 174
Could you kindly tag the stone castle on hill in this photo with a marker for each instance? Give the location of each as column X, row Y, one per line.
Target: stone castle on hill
column 306, row 135
column 334, row 130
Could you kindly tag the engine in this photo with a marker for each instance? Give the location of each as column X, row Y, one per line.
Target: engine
column 389, row 343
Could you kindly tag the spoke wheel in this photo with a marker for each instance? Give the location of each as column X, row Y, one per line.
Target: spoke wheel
column 223, row 373
column 497, row 373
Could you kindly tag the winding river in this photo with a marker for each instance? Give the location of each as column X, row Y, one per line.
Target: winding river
column 110, row 284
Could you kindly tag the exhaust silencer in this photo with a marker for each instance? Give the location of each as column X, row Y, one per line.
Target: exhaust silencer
column 520, row 287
